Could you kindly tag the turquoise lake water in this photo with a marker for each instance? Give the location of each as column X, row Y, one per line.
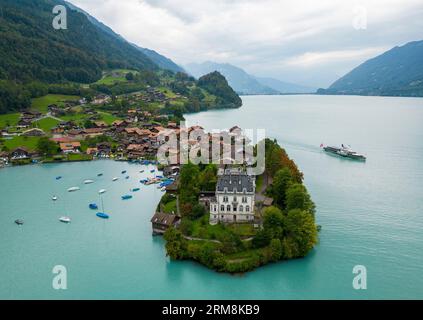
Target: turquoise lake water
column 371, row 213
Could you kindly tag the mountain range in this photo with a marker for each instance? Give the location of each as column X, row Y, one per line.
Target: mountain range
column 244, row 83
column 397, row 72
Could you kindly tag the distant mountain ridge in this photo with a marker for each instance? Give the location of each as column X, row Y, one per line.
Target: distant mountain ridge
column 397, row 72
column 244, row 83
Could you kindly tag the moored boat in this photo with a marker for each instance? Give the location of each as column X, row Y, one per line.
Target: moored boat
column 102, row 191
column 100, row 175
column 73, row 189
column 54, row 198
column 126, row 197
column 88, row 181
column 19, row 222
column 135, row 189
column 102, row 215
column 93, row 206
column 115, row 179
column 65, row 219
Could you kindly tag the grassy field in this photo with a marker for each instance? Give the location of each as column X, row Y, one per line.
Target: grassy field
column 27, row 142
column 41, row 104
column 10, row 119
column 170, row 207
column 115, row 76
column 47, row 124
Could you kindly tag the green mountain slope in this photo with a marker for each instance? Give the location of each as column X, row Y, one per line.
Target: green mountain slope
column 397, row 72
column 31, row 49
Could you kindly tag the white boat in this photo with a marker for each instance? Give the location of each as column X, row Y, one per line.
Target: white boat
column 54, row 198
column 73, row 189
column 115, row 179
column 163, row 189
column 88, row 181
column 102, row 191
column 65, row 219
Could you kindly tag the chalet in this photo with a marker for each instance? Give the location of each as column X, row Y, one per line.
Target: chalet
column 31, row 114
column 104, row 149
column 101, row 124
column 24, row 123
column 92, row 151
column 34, row 132
column 235, row 197
column 163, row 221
column 120, row 123
column 57, row 131
column 20, row 153
column 70, row 147
column 92, row 132
column 101, row 99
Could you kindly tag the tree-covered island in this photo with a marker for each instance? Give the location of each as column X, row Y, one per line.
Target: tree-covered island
column 283, row 225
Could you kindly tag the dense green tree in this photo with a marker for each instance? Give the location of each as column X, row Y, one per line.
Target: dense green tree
column 176, row 244
column 297, row 197
column 208, row 178
column 275, row 250
column 281, row 183
column 273, row 222
column 301, row 229
column 47, row 147
column 198, row 211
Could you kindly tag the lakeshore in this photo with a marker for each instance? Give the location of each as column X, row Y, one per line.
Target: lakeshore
column 367, row 217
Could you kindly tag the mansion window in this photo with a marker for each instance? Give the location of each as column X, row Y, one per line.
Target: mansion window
column 225, row 199
column 247, row 208
column 222, row 208
column 228, row 208
column 235, row 199
column 244, row 199
column 241, row 209
column 235, row 208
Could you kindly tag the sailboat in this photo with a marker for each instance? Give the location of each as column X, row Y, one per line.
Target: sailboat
column 102, row 215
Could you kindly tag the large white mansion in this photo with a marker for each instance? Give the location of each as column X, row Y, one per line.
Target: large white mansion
column 235, row 194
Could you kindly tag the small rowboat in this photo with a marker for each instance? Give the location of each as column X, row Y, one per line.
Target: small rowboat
column 124, row 171
column 88, row 181
column 65, row 219
column 19, row 222
column 100, row 175
column 58, row 178
column 115, row 179
column 54, row 198
column 93, row 206
column 135, row 189
column 102, row 191
column 102, row 215
column 126, row 197
column 73, row 189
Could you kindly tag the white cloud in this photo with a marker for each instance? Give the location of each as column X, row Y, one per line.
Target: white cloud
column 267, row 37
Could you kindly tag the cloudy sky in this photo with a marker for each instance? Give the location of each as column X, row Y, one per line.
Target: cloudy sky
column 304, row 41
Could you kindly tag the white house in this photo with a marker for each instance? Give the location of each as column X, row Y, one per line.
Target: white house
column 235, row 197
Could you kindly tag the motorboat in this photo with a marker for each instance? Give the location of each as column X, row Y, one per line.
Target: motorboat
column 100, row 175
column 93, row 206
column 65, row 219
column 102, row 215
column 88, row 181
column 19, row 222
column 54, row 198
column 142, row 171
column 102, row 191
column 59, row 177
column 73, row 189
column 135, row 189
column 115, row 179
column 126, row 197
column 124, row 171
column 127, row 177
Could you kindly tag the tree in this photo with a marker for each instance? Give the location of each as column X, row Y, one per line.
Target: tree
column 208, row 178
column 297, row 197
column 301, row 232
column 275, row 250
column 281, row 183
column 198, row 211
column 47, row 147
column 273, row 222
column 176, row 244
column 129, row 76
column 188, row 184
